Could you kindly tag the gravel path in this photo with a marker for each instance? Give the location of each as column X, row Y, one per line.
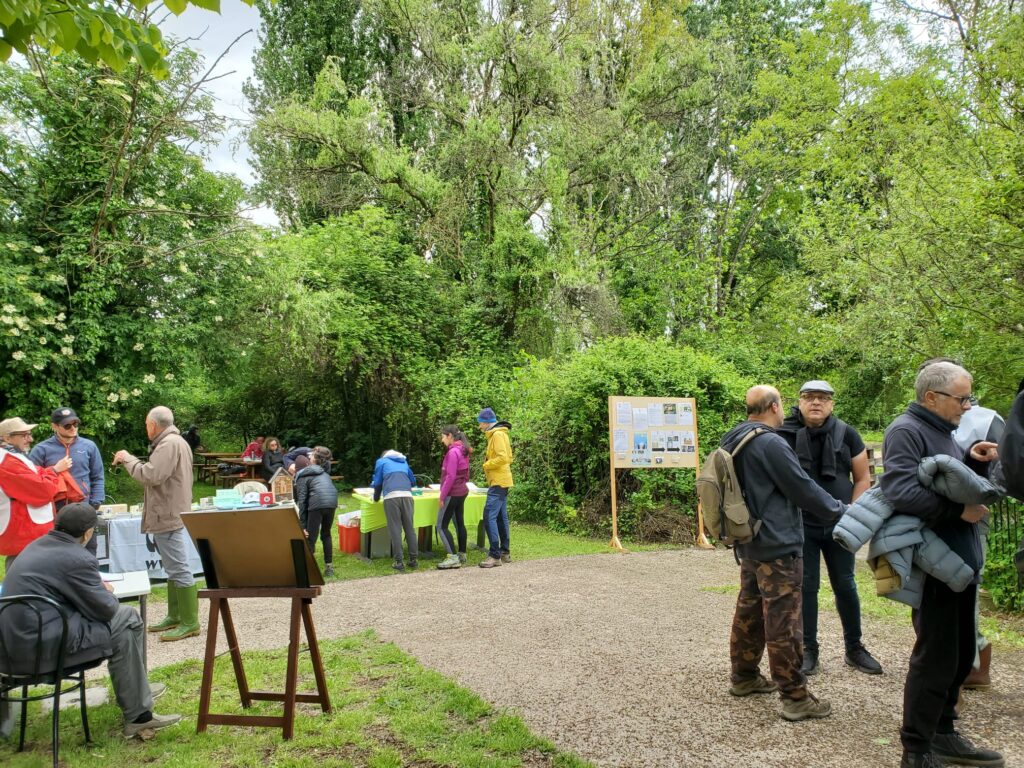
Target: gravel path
column 624, row 660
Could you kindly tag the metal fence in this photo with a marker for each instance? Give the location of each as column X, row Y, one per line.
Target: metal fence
column 1006, row 516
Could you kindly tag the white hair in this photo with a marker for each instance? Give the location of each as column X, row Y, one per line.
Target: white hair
column 937, row 377
column 162, row 416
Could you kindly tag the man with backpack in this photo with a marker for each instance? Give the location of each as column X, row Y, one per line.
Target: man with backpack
column 834, row 455
column 775, row 489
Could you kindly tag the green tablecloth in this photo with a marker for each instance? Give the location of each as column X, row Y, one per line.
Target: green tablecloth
column 425, row 515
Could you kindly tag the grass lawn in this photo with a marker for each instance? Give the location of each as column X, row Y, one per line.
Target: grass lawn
column 388, row 712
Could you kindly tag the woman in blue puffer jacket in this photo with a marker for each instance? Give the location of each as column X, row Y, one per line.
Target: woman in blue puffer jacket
column 317, row 499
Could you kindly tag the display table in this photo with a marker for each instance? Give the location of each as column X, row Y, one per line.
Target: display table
column 128, row 549
column 371, row 518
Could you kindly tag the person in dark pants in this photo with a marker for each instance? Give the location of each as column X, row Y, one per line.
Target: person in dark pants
column 317, row 499
column 451, row 500
column 767, row 614
column 944, row 622
column 834, row 455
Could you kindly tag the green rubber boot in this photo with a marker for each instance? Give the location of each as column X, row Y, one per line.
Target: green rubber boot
column 172, row 620
column 188, row 614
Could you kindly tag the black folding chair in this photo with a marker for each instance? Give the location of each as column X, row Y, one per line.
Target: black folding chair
column 19, row 672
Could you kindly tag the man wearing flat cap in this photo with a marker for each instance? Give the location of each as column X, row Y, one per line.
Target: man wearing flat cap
column 834, row 455
column 87, row 462
column 58, row 567
column 26, row 491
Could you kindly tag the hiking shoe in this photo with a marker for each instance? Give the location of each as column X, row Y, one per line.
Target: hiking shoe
column 958, row 750
column 398, row 565
column 490, row 562
column 414, row 564
column 759, row 684
column 920, row 760
column 506, row 558
column 859, row 658
column 806, row 708
column 462, row 557
column 156, row 690
column 452, row 561
column 811, row 665
column 328, row 571
column 146, row 729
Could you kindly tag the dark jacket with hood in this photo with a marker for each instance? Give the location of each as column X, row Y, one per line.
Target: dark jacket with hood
column 59, row 567
column 272, row 461
column 314, row 490
column 915, row 434
column 776, row 489
column 1011, row 450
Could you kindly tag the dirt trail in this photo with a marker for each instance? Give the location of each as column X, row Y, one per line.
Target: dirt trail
column 623, row 659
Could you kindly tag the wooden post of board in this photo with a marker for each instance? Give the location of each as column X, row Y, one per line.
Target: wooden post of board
column 614, row 543
column 701, row 539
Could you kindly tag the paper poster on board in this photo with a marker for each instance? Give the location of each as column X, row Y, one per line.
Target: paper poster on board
column 640, row 419
column 623, row 414
column 620, row 442
column 686, row 414
column 641, row 449
column 655, row 415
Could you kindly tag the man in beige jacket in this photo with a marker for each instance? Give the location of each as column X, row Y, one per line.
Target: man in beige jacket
column 167, row 479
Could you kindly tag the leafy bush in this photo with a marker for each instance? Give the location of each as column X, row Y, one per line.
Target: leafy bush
column 560, row 435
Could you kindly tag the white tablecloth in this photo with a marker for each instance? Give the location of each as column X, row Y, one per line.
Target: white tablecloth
column 128, row 549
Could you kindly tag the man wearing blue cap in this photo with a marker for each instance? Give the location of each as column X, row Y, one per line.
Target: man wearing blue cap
column 498, row 471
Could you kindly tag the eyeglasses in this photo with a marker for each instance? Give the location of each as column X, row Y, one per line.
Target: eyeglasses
column 963, row 399
column 811, row 398
column 19, row 434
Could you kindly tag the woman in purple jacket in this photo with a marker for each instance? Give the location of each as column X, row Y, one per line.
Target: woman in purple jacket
column 452, row 501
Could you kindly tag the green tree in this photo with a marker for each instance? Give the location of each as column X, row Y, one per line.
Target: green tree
column 115, row 34
column 122, row 251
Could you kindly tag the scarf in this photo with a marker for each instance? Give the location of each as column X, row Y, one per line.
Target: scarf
column 804, row 436
column 932, row 419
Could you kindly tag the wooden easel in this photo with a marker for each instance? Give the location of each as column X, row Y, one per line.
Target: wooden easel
column 301, row 595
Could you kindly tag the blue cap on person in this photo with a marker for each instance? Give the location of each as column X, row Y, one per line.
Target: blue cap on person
column 487, row 416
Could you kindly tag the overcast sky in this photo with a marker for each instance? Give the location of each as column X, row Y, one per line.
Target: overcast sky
column 211, row 34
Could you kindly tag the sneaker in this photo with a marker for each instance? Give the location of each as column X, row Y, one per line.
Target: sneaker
column 490, row 562
column 452, row 561
column 806, row 708
column 920, row 760
column 759, row 684
column 462, row 557
column 145, row 730
column 398, row 565
column 414, row 564
column 506, row 558
column 958, row 750
column 859, row 658
column 328, row 571
column 811, row 665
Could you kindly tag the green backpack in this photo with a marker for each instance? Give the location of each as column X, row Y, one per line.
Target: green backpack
column 726, row 516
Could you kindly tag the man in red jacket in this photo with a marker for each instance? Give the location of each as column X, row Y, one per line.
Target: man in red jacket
column 26, row 491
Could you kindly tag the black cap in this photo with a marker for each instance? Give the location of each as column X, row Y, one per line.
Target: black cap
column 62, row 416
column 75, row 519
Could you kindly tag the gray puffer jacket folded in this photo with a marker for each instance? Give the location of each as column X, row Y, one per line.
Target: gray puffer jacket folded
column 956, row 481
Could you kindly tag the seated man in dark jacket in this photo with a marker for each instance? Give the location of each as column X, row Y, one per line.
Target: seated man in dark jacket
column 944, row 624
column 776, row 489
column 58, row 566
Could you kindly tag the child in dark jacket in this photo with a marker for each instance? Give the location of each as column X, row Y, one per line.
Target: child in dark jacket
column 452, row 499
column 317, row 500
column 393, row 479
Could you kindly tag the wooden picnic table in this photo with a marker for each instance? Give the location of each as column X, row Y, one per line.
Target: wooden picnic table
column 207, row 470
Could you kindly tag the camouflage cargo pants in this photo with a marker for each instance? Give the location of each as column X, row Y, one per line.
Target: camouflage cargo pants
column 768, row 615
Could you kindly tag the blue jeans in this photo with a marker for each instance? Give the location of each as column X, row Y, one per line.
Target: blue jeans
column 496, row 520
column 840, row 563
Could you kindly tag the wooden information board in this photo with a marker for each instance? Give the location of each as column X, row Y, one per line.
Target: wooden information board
column 652, row 433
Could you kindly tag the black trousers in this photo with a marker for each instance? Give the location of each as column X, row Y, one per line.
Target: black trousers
column 942, row 658
column 319, row 524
